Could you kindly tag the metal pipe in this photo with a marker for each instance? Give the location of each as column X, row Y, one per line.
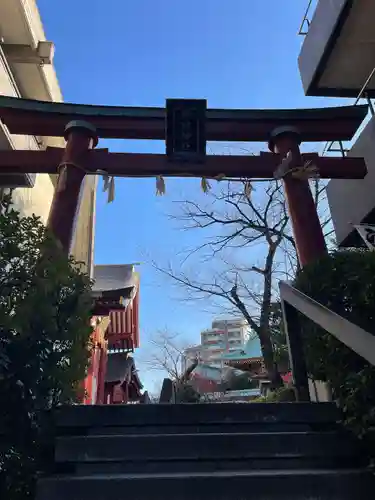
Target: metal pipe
column 305, row 20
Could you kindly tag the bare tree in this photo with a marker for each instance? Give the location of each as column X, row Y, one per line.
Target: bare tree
column 166, row 353
column 251, row 244
column 166, row 356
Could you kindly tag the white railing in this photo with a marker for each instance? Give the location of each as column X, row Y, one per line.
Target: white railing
column 353, row 336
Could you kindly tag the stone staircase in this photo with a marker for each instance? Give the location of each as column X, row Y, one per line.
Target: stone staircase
column 290, row 451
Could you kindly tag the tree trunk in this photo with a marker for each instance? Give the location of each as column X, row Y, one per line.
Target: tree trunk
column 269, row 359
column 265, row 317
column 265, row 341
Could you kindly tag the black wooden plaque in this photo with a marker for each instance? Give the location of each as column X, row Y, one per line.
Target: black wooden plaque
column 186, row 130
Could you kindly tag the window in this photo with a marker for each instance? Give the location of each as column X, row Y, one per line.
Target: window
column 234, row 335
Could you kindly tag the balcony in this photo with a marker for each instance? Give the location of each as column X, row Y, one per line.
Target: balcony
column 353, row 201
column 24, row 43
column 213, row 346
column 338, row 53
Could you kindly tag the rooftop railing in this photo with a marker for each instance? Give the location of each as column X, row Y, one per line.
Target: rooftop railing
column 306, row 21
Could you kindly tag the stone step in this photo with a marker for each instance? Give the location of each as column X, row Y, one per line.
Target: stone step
column 201, row 429
column 195, row 414
column 211, row 466
column 259, row 485
column 203, row 446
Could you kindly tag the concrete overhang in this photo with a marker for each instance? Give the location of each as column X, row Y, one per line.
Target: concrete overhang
column 338, row 53
column 353, row 201
column 21, row 31
column 21, row 25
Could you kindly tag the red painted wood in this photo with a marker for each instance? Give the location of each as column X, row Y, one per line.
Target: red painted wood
column 101, row 375
column 65, row 202
column 308, row 233
column 136, row 164
column 48, row 119
column 124, row 325
column 135, row 326
column 96, row 370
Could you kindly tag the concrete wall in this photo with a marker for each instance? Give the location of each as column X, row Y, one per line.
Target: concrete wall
column 351, row 201
column 315, row 43
column 28, row 201
column 83, row 243
column 320, row 392
column 20, row 23
column 337, row 55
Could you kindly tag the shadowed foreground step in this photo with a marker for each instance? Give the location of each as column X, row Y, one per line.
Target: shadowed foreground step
column 189, row 414
column 291, row 451
column 202, row 446
column 269, row 485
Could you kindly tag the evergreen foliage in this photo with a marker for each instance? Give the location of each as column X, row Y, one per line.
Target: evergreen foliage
column 45, row 329
column 343, row 281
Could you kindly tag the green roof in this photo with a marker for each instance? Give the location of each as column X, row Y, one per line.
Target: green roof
column 250, row 350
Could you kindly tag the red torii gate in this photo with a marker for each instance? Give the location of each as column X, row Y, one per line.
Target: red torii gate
column 186, row 125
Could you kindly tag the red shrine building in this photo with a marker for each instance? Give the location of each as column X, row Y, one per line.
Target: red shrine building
column 112, row 377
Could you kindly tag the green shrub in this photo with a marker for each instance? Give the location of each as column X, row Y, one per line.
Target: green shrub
column 45, row 308
column 280, row 395
column 186, row 393
column 239, row 382
column 344, row 281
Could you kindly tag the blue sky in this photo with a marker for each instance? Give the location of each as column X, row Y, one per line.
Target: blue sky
column 236, row 54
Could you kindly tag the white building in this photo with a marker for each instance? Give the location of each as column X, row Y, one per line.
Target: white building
column 337, row 59
column 225, row 336
column 27, row 71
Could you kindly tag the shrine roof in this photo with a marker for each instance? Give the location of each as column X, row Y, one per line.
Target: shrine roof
column 31, row 117
column 117, row 279
column 121, row 368
column 114, row 276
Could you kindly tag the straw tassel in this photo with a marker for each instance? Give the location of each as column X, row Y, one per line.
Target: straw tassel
column 160, row 185
column 248, row 188
column 220, row 177
column 109, row 187
column 105, row 182
column 111, row 190
column 307, row 171
column 206, row 186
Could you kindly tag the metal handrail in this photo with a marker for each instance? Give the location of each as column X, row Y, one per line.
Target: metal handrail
column 353, row 336
column 328, row 148
column 306, row 20
column 363, row 94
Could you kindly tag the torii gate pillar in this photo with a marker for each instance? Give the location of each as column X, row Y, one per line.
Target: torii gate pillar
column 308, row 233
column 80, row 138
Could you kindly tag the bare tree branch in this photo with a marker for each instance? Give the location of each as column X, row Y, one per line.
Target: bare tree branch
column 166, row 351
column 237, row 218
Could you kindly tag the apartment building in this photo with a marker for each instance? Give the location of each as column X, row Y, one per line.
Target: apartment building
column 224, row 336
column 27, row 71
column 337, row 59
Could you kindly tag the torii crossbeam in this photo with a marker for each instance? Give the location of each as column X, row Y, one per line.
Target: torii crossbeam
column 186, row 125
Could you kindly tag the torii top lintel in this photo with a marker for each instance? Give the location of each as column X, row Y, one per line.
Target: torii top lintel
column 31, row 117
